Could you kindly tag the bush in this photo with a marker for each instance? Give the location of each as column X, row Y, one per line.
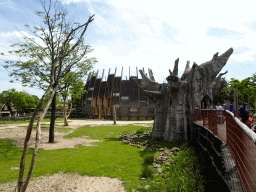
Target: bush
column 146, row 172
column 149, row 159
column 140, row 131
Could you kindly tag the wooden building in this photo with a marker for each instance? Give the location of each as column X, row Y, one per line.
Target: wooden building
column 132, row 102
column 7, row 110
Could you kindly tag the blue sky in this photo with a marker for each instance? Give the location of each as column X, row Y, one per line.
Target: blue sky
column 145, row 33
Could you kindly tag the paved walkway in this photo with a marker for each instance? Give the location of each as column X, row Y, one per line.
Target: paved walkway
column 221, row 130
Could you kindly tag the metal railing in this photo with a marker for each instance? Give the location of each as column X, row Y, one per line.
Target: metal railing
column 240, row 139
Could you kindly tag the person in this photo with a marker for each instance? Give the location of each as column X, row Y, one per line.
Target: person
column 244, row 113
column 249, row 122
column 224, row 105
column 209, row 106
column 220, row 117
column 218, row 106
column 231, row 107
column 253, row 125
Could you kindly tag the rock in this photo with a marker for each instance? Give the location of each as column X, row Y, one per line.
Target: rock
column 156, row 165
column 156, row 174
column 143, row 178
column 175, row 149
column 164, row 157
column 126, row 141
column 147, row 187
column 139, row 187
column 167, row 163
column 159, row 170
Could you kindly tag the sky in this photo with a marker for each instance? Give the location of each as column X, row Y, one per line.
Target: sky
column 146, row 33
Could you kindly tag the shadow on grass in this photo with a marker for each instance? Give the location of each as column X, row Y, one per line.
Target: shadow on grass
column 9, row 152
column 111, row 139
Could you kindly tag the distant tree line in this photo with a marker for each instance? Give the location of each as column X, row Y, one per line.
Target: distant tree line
column 246, row 90
column 20, row 100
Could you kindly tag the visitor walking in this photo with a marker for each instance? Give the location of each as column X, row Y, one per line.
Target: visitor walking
column 209, row 106
column 253, row 125
column 220, row 117
column 231, row 107
column 218, row 106
column 224, row 105
column 244, row 113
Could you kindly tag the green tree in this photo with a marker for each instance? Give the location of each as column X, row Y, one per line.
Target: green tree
column 19, row 100
column 245, row 88
column 46, row 65
column 47, row 98
column 77, row 91
column 60, row 54
column 72, row 84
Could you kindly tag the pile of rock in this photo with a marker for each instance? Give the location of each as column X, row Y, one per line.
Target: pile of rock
column 165, row 156
column 135, row 139
column 139, row 140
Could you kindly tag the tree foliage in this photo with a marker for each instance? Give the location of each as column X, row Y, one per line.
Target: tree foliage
column 56, row 48
column 245, row 88
column 20, row 100
column 48, row 98
column 77, row 91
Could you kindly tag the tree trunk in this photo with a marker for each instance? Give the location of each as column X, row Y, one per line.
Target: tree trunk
column 114, row 115
column 23, row 185
column 70, row 109
column 53, row 116
column 65, row 112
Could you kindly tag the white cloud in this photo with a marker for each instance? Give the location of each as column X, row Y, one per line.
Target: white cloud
column 152, row 34
column 9, row 38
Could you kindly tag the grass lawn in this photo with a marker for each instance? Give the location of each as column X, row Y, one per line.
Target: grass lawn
column 111, row 158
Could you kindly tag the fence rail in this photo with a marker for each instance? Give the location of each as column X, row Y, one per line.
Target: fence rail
column 240, row 139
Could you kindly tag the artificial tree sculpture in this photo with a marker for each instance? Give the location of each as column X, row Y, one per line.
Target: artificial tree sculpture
column 176, row 100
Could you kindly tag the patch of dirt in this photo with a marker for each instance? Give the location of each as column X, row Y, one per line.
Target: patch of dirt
column 68, row 182
column 17, row 132
column 62, row 181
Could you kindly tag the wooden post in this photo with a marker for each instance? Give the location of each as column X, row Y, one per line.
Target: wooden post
column 235, row 109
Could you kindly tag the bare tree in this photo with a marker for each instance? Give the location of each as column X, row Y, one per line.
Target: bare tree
column 46, row 65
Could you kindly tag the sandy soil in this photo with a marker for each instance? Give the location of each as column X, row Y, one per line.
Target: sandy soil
column 69, row 182
column 17, row 132
column 62, row 181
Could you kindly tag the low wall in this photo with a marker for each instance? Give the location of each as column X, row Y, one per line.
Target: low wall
column 220, row 156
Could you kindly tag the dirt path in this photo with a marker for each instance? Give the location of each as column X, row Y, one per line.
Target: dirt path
column 62, row 181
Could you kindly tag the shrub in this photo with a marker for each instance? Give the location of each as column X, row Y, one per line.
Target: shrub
column 146, row 172
column 149, row 159
column 140, row 131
